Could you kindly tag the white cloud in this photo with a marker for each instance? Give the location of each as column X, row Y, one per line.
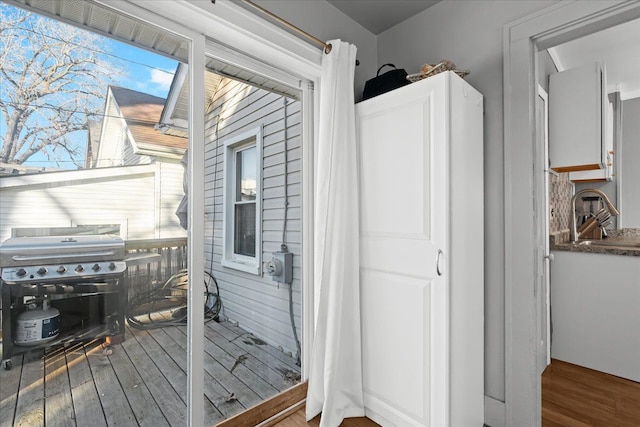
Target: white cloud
column 161, row 78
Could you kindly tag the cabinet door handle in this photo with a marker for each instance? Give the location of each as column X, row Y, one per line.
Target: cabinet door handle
column 438, row 270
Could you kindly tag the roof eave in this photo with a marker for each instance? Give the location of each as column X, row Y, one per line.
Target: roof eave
column 147, row 149
column 174, row 94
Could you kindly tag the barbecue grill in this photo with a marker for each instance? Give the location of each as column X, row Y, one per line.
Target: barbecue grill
column 81, row 276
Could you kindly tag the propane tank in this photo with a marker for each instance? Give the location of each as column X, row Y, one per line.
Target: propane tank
column 37, row 326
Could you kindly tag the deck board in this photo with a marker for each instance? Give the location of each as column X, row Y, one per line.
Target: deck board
column 176, row 376
column 57, row 390
column 239, row 364
column 247, row 339
column 141, row 381
column 284, row 365
column 172, row 404
column 114, row 403
column 30, row 404
column 8, row 392
column 242, row 393
column 216, row 394
column 86, row 402
column 144, row 407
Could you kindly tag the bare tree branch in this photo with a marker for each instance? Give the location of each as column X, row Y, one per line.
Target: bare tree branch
column 53, row 77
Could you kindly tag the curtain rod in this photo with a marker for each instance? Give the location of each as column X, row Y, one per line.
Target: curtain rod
column 326, row 46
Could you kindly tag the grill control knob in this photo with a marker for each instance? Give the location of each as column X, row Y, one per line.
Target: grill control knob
column 112, row 266
column 79, row 268
column 21, row 272
column 62, row 269
column 96, row 267
column 41, row 271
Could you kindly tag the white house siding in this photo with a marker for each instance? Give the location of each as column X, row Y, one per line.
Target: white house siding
column 257, row 303
column 116, row 148
column 84, row 197
column 169, row 187
column 114, row 136
column 129, row 156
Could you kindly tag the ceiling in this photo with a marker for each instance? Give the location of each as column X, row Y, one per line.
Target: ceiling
column 380, row 15
column 618, row 47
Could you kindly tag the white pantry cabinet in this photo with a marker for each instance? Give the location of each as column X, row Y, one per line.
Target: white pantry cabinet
column 421, row 253
column 578, row 119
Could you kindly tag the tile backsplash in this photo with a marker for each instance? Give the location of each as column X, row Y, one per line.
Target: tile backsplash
column 560, row 193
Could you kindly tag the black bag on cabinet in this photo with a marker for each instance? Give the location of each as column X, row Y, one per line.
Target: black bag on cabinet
column 380, row 84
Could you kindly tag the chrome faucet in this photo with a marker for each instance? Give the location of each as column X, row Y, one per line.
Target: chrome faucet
column 573, row 233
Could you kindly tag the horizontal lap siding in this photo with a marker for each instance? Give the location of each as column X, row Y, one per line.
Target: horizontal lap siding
column 171, row 173
column 257, row 303
column 124, row 200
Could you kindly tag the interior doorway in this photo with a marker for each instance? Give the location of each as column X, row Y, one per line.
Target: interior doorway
column 523, row 39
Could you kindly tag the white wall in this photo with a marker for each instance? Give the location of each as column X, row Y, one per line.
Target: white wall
column 324, row 21
column 469, row 33
column 629, row 157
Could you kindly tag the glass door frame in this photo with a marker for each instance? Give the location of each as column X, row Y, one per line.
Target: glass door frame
column 259, row 46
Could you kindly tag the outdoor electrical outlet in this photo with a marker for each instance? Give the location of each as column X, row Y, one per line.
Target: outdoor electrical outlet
column 280, row 267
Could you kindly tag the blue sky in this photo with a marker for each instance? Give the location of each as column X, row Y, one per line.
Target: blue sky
column 154, row 77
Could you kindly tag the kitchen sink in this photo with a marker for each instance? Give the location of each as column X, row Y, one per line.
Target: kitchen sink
column 613, row 242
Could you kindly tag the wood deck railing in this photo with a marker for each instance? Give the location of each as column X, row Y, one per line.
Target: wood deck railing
column 151, row 262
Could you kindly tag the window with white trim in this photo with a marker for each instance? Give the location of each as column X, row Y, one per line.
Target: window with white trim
column 242, row 203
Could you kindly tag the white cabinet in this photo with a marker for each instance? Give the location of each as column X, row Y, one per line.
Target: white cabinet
column 606, row 174
column 578, row 120
column 594, row 309
column 421, row 253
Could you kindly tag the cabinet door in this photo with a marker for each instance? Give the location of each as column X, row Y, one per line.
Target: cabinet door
column 595, row 312
column 576, row 119
column 403, row 178
column 600, row 174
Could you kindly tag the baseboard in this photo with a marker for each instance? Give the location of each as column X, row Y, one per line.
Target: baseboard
column 494, row 412
column 383, row 413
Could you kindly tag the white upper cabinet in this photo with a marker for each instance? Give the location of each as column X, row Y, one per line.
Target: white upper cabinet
column 578, row 130
column 605, row 174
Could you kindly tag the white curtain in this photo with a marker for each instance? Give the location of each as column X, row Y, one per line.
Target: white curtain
column 335, row 376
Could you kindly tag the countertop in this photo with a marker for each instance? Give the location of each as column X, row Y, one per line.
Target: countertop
column 559, row 241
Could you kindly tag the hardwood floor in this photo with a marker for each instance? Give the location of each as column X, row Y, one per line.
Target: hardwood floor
column 297, row 419
column 573, row 396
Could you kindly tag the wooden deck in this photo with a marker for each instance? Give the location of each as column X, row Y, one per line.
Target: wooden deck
column 142, row 381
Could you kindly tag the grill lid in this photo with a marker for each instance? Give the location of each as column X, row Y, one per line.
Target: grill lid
column 27, row 251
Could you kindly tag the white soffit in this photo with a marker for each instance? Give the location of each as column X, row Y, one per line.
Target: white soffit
column 617, row 47
column 102, row 20
column 227, row 70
